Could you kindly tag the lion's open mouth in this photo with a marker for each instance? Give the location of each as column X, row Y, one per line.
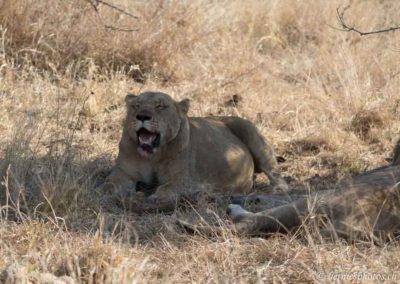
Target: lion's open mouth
column 148, row 141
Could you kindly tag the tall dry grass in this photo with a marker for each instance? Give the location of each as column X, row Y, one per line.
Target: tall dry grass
column 326, row 100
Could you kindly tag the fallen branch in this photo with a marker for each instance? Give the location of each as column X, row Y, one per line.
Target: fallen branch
column 346, row 28
column 118, row 29
column 95, row 4
column 116, row 8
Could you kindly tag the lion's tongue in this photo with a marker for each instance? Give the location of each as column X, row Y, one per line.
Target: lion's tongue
column 147, row 137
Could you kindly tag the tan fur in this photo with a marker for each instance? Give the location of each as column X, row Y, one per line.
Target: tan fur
column 366, row 207
column 218, row 153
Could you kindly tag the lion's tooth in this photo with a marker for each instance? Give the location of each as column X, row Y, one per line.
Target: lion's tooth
column 147, row 139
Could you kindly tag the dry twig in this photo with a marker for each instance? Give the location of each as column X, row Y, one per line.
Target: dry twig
column 346, row 28
column 95, row 4
column 115, row 8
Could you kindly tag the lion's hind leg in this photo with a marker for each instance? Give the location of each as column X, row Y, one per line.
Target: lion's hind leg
column 262, row 153
column 237, row 213
column 280, row 219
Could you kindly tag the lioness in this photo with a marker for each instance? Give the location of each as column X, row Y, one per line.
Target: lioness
column 159, row 141
column 366, row 207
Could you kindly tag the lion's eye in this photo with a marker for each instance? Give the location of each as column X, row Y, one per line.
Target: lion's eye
column 160, row 106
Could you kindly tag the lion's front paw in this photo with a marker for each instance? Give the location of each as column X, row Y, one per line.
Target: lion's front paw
column 107, row 188
column 154, row 199
column 162, row 198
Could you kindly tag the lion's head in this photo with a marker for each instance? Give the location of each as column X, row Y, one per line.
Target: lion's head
column 154, row 119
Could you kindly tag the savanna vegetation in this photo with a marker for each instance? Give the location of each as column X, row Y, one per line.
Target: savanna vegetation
column 326, row 100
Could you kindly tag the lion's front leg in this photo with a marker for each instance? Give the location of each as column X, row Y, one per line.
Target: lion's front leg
column 119, row 191
column 166, row 193
column 119, row 183
column 174, row 179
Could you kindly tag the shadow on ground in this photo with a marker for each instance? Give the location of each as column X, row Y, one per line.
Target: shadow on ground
column 64, row 189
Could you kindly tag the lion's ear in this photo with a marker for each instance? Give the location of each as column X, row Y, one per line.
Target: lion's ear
column 184, row 105
column 129, row 98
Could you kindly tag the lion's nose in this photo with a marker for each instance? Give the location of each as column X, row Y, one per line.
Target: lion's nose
column 143, row 117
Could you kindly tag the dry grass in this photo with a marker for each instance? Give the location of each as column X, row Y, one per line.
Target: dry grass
column 326, row 100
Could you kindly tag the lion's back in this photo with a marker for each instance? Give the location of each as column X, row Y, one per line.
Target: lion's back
column 218, row 156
